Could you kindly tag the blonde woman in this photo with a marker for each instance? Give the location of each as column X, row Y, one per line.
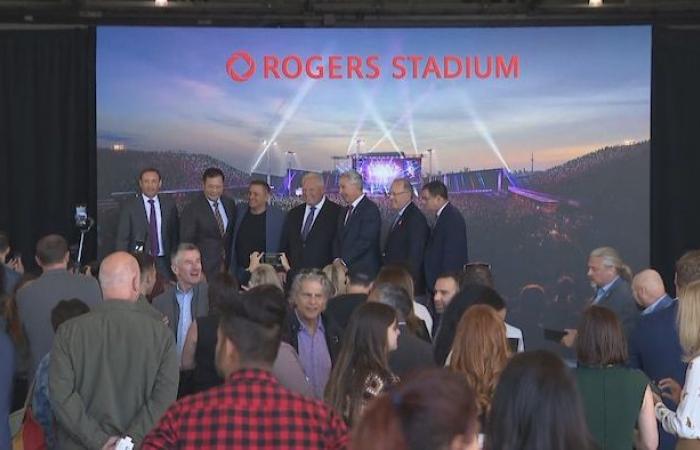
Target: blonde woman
column 685, row 421
column 338, row 274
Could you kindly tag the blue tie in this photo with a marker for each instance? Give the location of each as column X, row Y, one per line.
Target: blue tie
column 598, row 295
column 308, row 222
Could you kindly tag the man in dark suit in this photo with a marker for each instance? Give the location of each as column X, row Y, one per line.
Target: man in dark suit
column 149, row 220
column 359, row 226
column 309, row 230
column 408, row 234
column 446, row 250
column 183, row 303
column 208, row 223
column 412, row 352
column 258, row 229
column 611, row 276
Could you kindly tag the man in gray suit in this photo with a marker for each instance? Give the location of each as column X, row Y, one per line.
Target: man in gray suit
column 183, row 303
column 149, row 220
column 36, row 299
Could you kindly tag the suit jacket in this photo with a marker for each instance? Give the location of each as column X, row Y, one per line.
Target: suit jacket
column 332, row 334
column 274, row 220
column 198, row 226
column 405, row 244
column 317, row 250
column 654, row 348
column 620, row 300
column 446, row 250
column 36, row 299
column 357, row 241
column 167, row 304
column 411, row 354
column 133, row 225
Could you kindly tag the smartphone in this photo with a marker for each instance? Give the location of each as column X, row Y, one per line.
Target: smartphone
column 655, row 388
column 553, row 335
column 274, row 259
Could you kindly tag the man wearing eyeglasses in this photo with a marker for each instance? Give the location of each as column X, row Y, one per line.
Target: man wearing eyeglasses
column 408, row 233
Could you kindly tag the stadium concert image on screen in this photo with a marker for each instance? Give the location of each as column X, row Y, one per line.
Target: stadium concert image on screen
column 379, row 171
column 542, row 142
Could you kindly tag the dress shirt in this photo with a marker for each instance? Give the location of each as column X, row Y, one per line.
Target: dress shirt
column 439, row 211
column 651, row 308
column 159, row 219
column 222, row 211
column 184, row 301
column 314, row 355
column 318, row 207
column 600, row 293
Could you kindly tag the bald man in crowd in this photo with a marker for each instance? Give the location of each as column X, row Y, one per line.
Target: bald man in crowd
column 649, row 292
column 113, row 371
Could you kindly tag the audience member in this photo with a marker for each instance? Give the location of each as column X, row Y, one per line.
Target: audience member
column 493, row 299
column 7, row 370
column 446, row 287
column 113, row 371
column 435, row 410
column 480, row 353
column 340, row 307
column 615, row 398
column 362, row 369
column 408, row 234
column 314, row 336
column 208, row 222
column 419, row 320
column 258, row 228
column 149, row 222
column 187, row 299
column 37, row 299
column 309, row 229
column 250, row 410
column 40, row 401
column 536, row 407
column 15, row 330
column 477, row 274
column 263, row 274
column 359, row 226
column 446, row 249
column 10, row 271
column 413, row 353
column 684, row 421
column 649, row 292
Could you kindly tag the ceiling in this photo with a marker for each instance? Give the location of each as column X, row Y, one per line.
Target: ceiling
column 337, row 13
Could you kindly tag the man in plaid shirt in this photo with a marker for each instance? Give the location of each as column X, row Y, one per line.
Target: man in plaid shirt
column 251, row 410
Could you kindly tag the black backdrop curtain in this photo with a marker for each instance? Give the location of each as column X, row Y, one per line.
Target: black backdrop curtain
column 675, row 146
column 47, row 134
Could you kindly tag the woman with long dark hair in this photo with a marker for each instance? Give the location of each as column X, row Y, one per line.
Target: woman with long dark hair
column 536, row 407
column 362, row 369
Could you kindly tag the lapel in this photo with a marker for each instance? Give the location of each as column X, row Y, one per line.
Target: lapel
column 406, row 213
column 318, row 218
column 352, row 217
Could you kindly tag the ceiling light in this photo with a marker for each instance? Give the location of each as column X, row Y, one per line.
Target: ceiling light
column 590, row 2
column 161, row 2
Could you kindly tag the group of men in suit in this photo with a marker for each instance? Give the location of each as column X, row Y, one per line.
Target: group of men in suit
column 313, row 234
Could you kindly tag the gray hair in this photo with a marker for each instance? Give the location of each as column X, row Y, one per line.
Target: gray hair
column 354, row 177
column 611, row 258
column 316, row 176
column 310, row 275
column 183, row 247
column 394, row 296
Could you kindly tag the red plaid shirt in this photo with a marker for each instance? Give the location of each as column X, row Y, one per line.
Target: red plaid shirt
column 250, row 411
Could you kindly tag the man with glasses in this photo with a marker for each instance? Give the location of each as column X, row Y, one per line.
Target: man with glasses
column 408, row 233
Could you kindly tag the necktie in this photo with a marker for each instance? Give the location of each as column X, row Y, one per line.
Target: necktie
column 598, row 295
column 153, row 229
column 308, row 222
column 348, row 214
column 219, row 220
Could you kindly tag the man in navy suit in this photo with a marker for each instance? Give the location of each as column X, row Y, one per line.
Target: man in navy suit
column 258, row 229
column 446, row 250
column 408, row 234
column 309, row 230
column 654, row 346
column 149, row 220
column 208, row 222
column 359, row 226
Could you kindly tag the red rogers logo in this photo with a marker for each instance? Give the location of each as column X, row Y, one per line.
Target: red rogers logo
column 245, row 56
column 339, row 67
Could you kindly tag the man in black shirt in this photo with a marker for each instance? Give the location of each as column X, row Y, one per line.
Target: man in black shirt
column 258, row 229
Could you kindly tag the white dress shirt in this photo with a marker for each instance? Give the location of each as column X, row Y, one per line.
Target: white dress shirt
column 318, row 207
column 159, row 220
column 222, row 211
